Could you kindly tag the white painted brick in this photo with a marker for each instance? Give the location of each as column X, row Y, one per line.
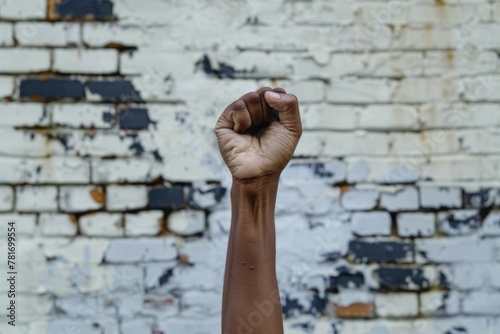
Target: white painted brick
column 6, row 86
column 141, row 250
column 19, row 170
column 186, row 222
column 361, row 38
column 316, row 199
column 79, row 250
column 360, row 91
column 372, row 326
column 371, row 223
column 248, row 64
column 388, row 117
column 306, row 91
column 6, row 34
column 425, row 143
column 458, row 168
column 482, row 88
column 47, row 34
column 80, row 198
column 432, row 197
column 426, row 90
column 24, row 60
column 323, row 12
column 460, row 115
column 25, row 223
column 449, row 324
column 482, row 303
column 481, row 141
column 305, row 172
column 383, row 13
column 439, row 303
column 493, row 272
column 101, row 323
column 133, row 13
column 36, row 198
column 491, row 224
column 60, row 225
column 458, row 222
column 253, row 37
column 58, row 170
column 427, row 38
column 380, row 64
column 469, row 276
column 283, row 40
column 6, row 198
column 225, row 92
column 318, row 65
column 395, row 64
column 136, row 325
column 327, row 144
column 108, row 279
column 188, row 325
column 201, row 302
column 360, row 199
column 455, row 250
column 124, row 170
column 34, row 306
column 483, row 36
column 180, row 65
column 442, row 15
column 310, row 144
column 24, row 143
column 86, row 61
column 82, row 115
column 126, row 197
column 402, row 304
column 329, row 117
column 23, row 114
column 99, row 143
column 384, row 170
column 97, row 34
column 102, row 225
column 400, row 199
column 147, row 223
column 29, row 9
column 416, row 224
column 459, row 63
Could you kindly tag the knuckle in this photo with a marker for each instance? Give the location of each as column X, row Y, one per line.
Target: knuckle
column 251, row 97
column 238, row 105
column 295, row 100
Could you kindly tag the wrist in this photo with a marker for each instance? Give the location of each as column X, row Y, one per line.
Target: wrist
column 269, row 181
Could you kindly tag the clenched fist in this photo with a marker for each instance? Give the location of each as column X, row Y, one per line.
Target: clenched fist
column 257, row 134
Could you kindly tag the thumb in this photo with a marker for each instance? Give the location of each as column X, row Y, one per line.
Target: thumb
column 287, row 106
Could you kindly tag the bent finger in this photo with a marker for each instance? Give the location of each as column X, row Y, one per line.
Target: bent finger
column 235, row 117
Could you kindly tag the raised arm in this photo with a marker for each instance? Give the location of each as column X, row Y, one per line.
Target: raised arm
column 257, row 135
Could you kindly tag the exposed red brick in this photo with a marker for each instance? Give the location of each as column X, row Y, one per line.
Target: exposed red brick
column 98, row 195
column 356, row 310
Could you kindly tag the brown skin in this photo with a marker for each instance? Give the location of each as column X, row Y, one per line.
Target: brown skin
column 257, row 135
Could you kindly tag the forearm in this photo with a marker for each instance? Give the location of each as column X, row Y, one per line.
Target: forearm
column 251, row 301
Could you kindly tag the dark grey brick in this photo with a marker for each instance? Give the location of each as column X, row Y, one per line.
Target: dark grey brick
column 166, row 198
column 50, row 89
column 381, row 251
column 401, row 278
column 115, row 90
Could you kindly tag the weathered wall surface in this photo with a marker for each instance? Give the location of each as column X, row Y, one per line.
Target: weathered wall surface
column 388, row 219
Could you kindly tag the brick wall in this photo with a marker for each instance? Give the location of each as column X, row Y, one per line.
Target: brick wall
column 388, row 218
